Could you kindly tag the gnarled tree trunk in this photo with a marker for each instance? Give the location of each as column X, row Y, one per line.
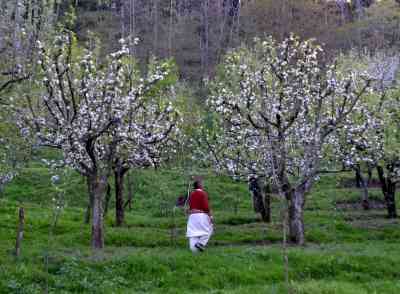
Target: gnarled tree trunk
column 389, row 191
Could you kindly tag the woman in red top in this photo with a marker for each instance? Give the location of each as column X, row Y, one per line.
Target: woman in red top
column 199, row 226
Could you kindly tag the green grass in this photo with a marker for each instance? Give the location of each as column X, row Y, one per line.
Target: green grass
column 347, row 251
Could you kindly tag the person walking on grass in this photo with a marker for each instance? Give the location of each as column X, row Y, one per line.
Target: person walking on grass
column 200, row 222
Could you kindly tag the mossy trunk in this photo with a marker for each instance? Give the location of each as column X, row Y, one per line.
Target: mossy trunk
column 296, row 200
column 98, row 186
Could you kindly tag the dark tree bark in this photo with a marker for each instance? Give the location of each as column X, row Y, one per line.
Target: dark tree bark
column 258, row 193
column 119, row 175
column 128, row 202
column 357, row 179
column 267, row 201
column 370, row 168
column 389, row 190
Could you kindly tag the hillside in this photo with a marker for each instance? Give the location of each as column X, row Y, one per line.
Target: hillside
column 197, row 33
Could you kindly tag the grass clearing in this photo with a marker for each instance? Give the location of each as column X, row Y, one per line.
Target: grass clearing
column 347, row 251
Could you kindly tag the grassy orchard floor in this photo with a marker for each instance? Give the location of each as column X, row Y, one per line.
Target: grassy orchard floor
column 347, row 251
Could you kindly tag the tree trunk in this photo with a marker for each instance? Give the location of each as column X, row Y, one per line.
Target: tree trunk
column 91, row 200
column 358, row 180
column 128, row 203
column 258, row 195
column 267, row 201
column 119, row 196
column 370, row 168
column 389, row 192
column 155, row 27
column 296, row 200
column 107, row 200
column 98, row 187
column 204, row 38
column 391, row 200
column 364, row 187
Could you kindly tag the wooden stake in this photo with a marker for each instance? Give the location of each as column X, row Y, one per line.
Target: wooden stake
column 20, row 232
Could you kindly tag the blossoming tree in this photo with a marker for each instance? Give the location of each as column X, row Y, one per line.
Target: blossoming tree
column 145, row 129
column 89, row 110
column 359, row 145
column 237, row 157
column 21, row 24
column 389, row 166
column 371, row 137
column 284, row 95
column 385, row 69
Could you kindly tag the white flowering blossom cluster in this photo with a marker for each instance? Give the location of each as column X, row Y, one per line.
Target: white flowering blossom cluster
column 147, row 126
column 280, row 102
column 241, row 158
column 360, row 141
column 95, row 113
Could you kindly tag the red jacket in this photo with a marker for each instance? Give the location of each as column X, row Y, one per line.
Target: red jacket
column 198, row 199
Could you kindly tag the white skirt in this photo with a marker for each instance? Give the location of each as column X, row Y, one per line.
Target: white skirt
column 199, row 224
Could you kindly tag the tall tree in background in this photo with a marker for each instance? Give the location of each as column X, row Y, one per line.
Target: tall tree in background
column 204, row 37
column 22, row 23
